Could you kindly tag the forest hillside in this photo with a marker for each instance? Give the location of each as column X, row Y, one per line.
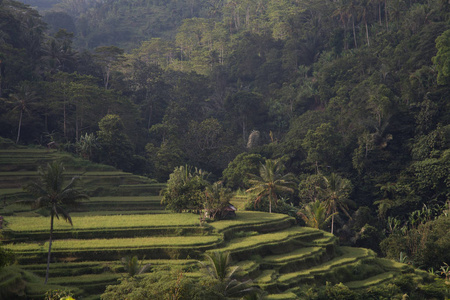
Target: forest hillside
column 351, row 92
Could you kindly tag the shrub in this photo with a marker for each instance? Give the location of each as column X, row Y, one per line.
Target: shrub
column 6, row 257
column 184, row 189
column 338, row 292
column 236, row 174
column 426, row 245
column 158, row 286
column 58, row 294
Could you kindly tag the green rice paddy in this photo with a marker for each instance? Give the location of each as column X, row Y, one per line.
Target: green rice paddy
column 19, row 224
column 124, row 217
column 124, row 243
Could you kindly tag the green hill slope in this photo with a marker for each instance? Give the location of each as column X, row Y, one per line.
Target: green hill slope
column 271, row 249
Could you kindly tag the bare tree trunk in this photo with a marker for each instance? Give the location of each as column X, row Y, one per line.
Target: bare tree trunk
column 244, row 130
column 150, row 113
column 345, row 38
column 247, row 17
column 354, row 32
column 82, row 114
column 65, row 121
column 379, row 13
column 76, row 128
column 49, row 246
column 332, row 224
column 367, row 34
column 108, row 70
column 386, row 14
column 20, row 125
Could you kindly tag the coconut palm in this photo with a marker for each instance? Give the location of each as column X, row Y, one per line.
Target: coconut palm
column 219, row 268
column 314, row 214
column 270, row 182
column 49, row 192
column 21, row 101
column 335, row 194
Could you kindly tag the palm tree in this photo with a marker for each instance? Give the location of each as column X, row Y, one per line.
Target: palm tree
column 22, row 100
column 87, row 143
column 220, row 269
column 335, row 194
column 49, row 192
column 217, row 197
column 219, row 266
column 133, row 266
column 270, row 182
column 314, row 214
column 343, row 14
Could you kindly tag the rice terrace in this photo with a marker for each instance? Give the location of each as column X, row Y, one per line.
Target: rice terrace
column 124, row 218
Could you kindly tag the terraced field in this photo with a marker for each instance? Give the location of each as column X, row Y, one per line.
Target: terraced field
column 124, row 217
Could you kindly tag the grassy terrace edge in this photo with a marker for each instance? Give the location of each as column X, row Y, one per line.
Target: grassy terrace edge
column 242, row 221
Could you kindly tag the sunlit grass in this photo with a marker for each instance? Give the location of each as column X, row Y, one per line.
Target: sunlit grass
column 248, row 218
column 86, row 279
column 296, row 254
column 268, row 238
column 92, row 264
column 112, row 199
column 26, row 150
column 119, row 212
column 350, row 255
column 284, row 296
column 67, row 173
column 85, row 222
column 109, row 244
column 98, row 222
column 11, row 191
column 371, row 281
column 18, row 173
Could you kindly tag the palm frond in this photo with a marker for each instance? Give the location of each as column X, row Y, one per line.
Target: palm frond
column 64, row 214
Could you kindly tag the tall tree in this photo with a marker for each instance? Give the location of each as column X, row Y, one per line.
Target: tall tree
column 323, row 146
column 335, row 194
column 442, row 58
column 107, row 57
column 22, row 101
column 116, row 147
column 314, row 214
column 270, row 182
column 58, row 52
column 51, row 193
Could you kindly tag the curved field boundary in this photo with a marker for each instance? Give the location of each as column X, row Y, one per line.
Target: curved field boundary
column 296, row 260
column 252, row 221
column 41, row 224
column 349, row 256
column 246, row 218
column 293, row 256
column 73, row 245
column 69, row 173
column 109, row 233
column 371, row 281
column 115, row 249
column 266, row 277
column 283, row 296
column 270, row 243
column 90, row 283
column 98, row 267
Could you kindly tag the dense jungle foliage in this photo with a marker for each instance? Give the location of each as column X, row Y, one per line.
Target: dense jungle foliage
column 353, row 89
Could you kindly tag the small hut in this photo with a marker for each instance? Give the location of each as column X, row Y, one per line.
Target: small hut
column 228, row 212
